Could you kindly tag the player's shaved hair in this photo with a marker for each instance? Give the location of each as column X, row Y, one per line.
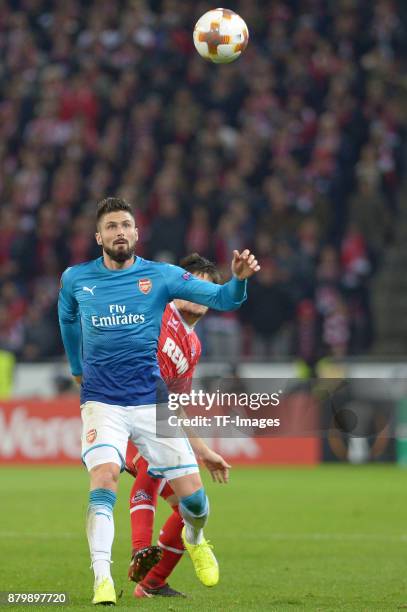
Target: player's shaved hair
column 197, row 264
column 109, row 205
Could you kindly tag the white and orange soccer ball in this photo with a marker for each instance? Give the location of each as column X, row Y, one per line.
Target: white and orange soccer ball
column 220, row 36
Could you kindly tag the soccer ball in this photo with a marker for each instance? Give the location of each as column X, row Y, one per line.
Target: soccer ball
column 220, row 36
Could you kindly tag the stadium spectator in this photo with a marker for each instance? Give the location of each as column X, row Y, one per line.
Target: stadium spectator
column 269, row 312
column 297, row 147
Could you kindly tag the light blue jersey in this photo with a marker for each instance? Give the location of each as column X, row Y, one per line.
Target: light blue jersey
column 110, row 323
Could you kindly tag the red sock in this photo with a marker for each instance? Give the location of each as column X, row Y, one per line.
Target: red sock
column 171, row 543
column 143, row 502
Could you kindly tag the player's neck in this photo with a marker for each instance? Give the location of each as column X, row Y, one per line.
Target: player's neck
column 111, row 264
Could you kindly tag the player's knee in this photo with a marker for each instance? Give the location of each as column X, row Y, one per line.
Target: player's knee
column 196, row 504
column 105, row 476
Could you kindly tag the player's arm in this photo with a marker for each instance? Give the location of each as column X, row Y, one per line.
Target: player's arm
column 69, row 322
column 229, row 296
column 215, row 463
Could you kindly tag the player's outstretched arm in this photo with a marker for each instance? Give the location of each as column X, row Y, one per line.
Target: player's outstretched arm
column 230, row 296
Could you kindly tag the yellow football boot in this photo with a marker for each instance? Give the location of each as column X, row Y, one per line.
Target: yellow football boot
column 104, row 593
column 204, row 561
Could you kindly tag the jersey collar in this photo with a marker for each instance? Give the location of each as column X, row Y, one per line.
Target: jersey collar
column 101, row 266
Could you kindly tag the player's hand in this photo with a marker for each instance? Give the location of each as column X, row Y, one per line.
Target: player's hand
column 78, row 379
column 216, row 465
column 244, row 264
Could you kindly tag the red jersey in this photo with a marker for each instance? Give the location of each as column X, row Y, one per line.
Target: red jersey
column 179, row 349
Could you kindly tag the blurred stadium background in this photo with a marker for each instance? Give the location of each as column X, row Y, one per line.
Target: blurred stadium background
column 297, row 151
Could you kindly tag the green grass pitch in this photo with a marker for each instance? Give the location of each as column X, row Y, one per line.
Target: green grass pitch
column 325, row 538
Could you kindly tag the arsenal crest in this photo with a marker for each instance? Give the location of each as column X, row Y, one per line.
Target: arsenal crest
column 91, row 436
column 145, row 285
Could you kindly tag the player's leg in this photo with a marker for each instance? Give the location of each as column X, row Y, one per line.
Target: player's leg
column 143, row 502
column 155, row 583
column 193, row 505
column 174, row 459
column 100, row 525
column 170, row 541
column 194, row 509
column 104, row 442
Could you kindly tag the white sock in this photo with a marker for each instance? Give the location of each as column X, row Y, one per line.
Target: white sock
column 100, row 532
column 193, row 534
column 194, row 523
column 101, row 569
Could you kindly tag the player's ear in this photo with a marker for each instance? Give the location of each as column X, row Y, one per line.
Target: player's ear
column 98, row 238
column 136, row 233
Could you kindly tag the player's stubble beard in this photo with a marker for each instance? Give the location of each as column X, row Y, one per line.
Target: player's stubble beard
column 120, row 255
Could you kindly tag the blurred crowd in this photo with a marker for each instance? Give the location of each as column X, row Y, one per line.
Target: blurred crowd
column 294, row 151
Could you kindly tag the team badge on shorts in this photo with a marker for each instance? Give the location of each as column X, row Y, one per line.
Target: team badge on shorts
column 91, row 436
column 145, row 285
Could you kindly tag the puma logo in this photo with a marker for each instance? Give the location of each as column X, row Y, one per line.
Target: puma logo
column 90, row 290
